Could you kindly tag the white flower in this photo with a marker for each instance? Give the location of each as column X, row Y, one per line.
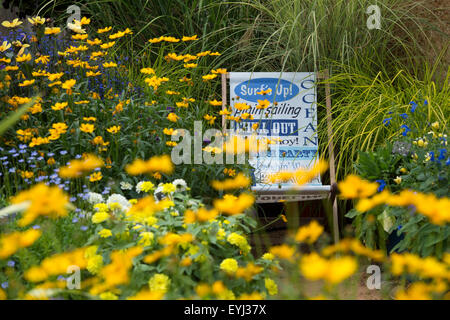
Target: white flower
column 126, row 185
column 120, row 199
column 180, row 184
column 139, row 186
column 75, row 27
column 94, row 198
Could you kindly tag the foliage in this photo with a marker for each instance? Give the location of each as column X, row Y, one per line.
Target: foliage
column 418, row 160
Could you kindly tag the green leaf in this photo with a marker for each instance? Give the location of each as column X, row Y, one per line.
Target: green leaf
column 15, row 115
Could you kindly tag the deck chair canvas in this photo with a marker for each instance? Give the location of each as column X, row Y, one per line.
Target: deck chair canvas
column 291, row 118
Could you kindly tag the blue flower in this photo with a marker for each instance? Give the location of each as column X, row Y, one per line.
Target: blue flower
column 407, row 129
column 442, row 153
column 387, row 121
column 36, row 226
column 11, row 263
column 382, row 185
column 404, row 115
column 431, row 153
column 83, row 228
column 74, row 220
column 5, row 285
column 413, row 106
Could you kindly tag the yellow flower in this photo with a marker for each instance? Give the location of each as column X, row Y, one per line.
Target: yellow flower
column 10, row 243
column 215, row 103
column 192, row 38
column 5, row 46
column 77, row 168
column 23, row 58
column 113, row 129
column 271, row 286
column 435, row 125
column 55, row 30
column 36, row 20
column 398, row 180
column 209, row 118
column 168, row 188
column 268, row 256
column 26, row 83
column 109, row 65
column 42, row 59
column 12, row 24
column 159, row 283
column 232, row 205
column 263, row 104
column 107, row 45
column 11, row 68
column 219, row 71
column 283, row 251
column 182, row 104
column 54, row 76
column 169, row 132
column 248, row 272
column 172, row 117
column 147, row 71
column 43, row 201
column 240, row 181
column 59, row 106
column 96, row 176
column 264, row 92
column 79, row 36
column 68, row 84
column 313, row 267
column 309, row 233
column 106, row 29
column 190, row 65
column 155, row 164
column 87, row 127
column 209, row 77
column 92, row 73
column 417, row 291
column 105, row 233
column 83, row 21
column 229, row 265
column 203, row 53
column 354, row 187
column 95, row 263
column 100, row 216
column 146, row 238
column 340, row 269
column 239, row 241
